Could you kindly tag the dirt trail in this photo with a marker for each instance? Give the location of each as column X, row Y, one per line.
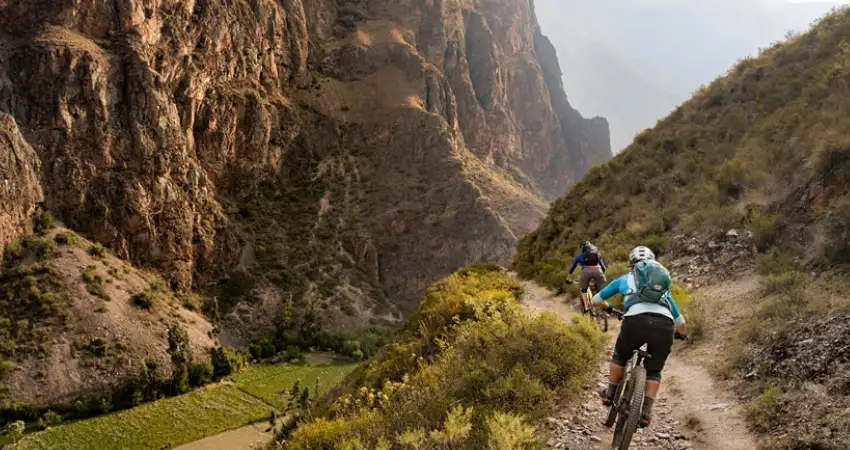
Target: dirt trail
column 693, row 411
column 245, row 438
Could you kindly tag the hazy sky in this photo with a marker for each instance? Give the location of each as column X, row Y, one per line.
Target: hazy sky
column 633, row 61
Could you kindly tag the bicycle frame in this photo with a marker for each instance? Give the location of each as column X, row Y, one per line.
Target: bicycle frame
column 587, row 298
column 637, row 359
column 620, row 398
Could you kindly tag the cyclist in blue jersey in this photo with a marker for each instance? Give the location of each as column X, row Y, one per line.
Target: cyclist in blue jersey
column 592, row 268
column 654, row 324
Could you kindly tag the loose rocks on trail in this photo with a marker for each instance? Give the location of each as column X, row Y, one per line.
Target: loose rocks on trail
column 581, row 427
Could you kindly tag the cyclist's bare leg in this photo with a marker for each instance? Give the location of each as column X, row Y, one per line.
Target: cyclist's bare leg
column 615, row 374
column 652, row 387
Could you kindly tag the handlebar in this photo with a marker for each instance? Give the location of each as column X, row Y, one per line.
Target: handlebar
column 617, row 313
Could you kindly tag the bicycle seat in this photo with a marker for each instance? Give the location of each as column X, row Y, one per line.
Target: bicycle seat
column 643, row 353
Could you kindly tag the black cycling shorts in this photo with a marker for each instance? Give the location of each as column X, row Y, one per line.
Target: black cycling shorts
column 654, row 330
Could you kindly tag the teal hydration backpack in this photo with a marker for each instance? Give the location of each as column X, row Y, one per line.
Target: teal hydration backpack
column 652, row 281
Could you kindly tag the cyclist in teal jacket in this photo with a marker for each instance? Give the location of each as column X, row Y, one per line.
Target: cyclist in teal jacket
column 644, row 323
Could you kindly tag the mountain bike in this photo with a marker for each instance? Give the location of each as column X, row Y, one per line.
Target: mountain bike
column 599, row 317
column 628, row 400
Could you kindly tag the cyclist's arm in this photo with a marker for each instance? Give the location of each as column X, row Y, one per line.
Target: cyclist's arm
column 615, row 287
column 602, row 263
column 579, row 260
column 678, row 318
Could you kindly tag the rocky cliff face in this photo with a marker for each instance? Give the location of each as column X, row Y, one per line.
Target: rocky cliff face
column 21, row 189
column 348, row 152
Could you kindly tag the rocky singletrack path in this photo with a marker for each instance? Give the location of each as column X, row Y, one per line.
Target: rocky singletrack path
column 693, row 410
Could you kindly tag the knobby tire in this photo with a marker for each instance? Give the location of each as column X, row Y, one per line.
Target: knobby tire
column 621, row 417
column 635, row 405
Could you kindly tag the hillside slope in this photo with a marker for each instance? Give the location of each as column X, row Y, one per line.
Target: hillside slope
column 76, row 320
column 334, row 151
column 765, row 146
column 751, row 175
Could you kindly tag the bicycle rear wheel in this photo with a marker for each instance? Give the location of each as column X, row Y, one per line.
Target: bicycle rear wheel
column 627, row 424
column 581, row 304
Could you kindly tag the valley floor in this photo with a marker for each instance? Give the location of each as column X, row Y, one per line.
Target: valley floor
column 694, row 410
column 201, row 417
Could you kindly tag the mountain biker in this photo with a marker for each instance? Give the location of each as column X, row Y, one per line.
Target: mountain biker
column 644, row 323
column 592, row 267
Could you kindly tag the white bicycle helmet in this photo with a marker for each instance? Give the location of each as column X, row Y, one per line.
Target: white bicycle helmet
column 639, row 254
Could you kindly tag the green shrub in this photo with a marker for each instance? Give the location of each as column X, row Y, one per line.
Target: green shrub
column 262, row 348
column 49, row 419
column 98, row 347
column 765, row 228
column 480, row 269
column 785, row 306
column 764, row 412
column 370, row 338
column 6, row 367
column 775, row 261
column 190, row 300
column 144, row 300
column 226, row 361
column 88, row 274
column 14, row 250
column 33, row 308
column 95, row 283
column 67, row 238
column 469, row 344
column 557, row 279
column 785, row 283
column 43, row 248
column 98, row 250
column 43, row 222
column 292, row 353
column 180, row 379
column 694, row 310
column 507, row 431
column 15, row 431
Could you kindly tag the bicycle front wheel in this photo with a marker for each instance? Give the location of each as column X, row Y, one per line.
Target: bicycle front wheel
column 602, row 321
column 630, row 422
